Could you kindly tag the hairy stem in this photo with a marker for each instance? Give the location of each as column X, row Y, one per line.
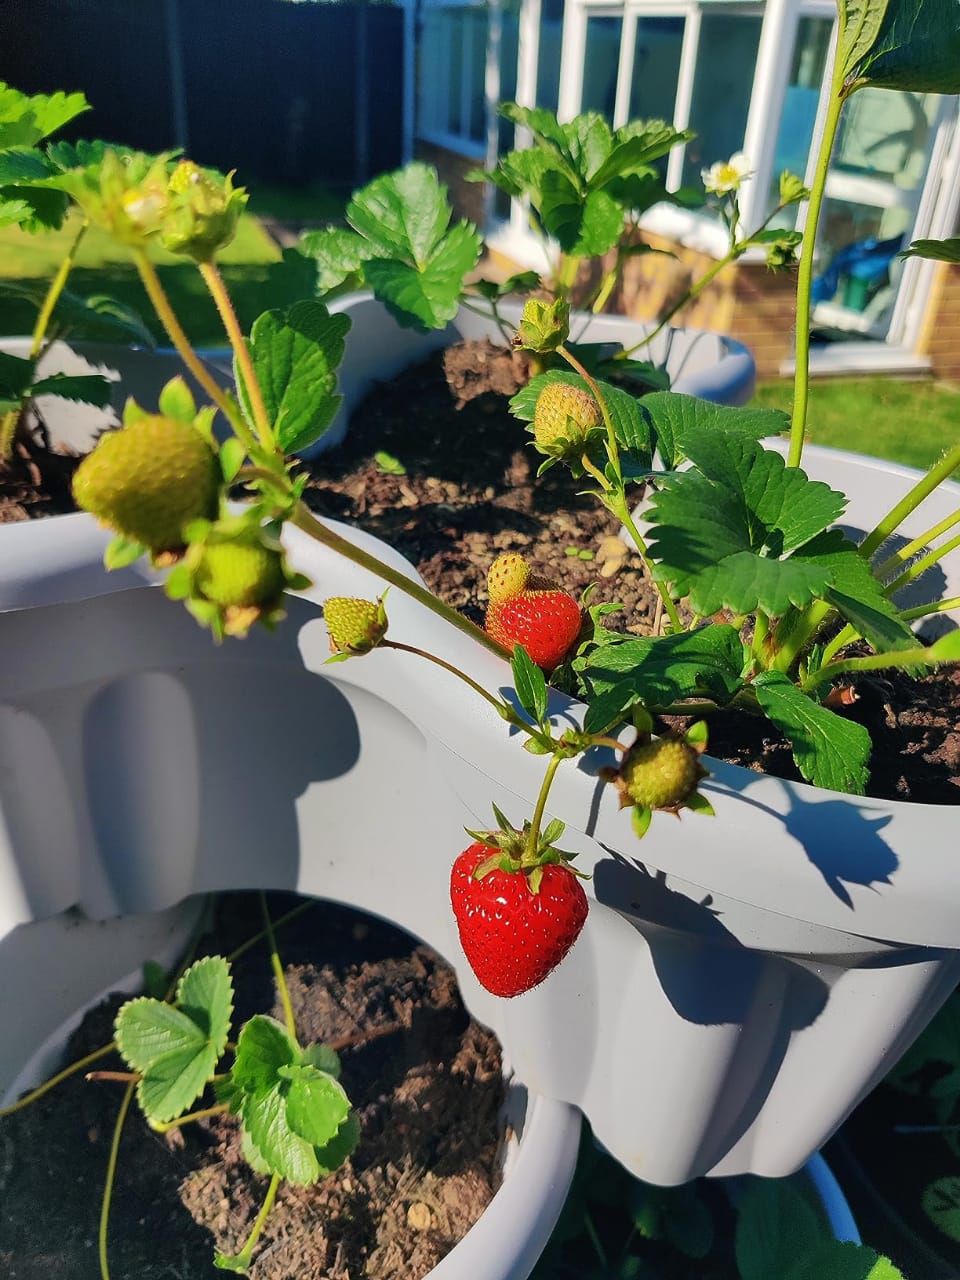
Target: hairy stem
column 245, row 1256
column 109, row 1181
column 277, row 967
column 871, row 662
column 903, row 555
column 499, row 706
column 940, row 471
column 922, row 565
column 65, row 1074
column 164, row 1126
column 167, row 316
column 801, row 383
column 530, row 849
column 921, row 611
column 57, row 286
column 214, row 282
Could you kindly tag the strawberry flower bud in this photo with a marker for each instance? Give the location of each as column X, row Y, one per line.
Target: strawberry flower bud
column 202, row 213
column 544, row 326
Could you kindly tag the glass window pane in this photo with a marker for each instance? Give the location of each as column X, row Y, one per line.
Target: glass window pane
column 726, row 59
column 800, row 103
column 656, row 68
column 601, row 59
column 453, row 23
column 548, row 65
column 477, row 71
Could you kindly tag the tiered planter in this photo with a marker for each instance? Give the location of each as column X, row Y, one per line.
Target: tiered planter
column 740, row 983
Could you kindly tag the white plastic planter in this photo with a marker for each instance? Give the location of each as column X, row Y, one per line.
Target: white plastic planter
column 741, row 982
column 703, row 364
column 70, row 963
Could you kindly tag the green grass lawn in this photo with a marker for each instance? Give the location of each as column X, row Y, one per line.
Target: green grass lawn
column 909, row 422
column 251, row 266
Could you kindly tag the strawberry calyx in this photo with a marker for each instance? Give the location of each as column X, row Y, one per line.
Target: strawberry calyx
column 354, row 626
column 515, row 851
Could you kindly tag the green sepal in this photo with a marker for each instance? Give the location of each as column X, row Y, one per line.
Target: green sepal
column 176, row 401
column 640, row 819
column 232, row 455
column 698, row 803
column 122, row 551
column 697, row 734
column 536, row 747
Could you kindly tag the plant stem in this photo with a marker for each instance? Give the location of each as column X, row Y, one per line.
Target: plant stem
column 597, row 474
column 801, row 385
column 108, row 1182
column 245, row 1256
column 844, row 637
column 626, row 516
column 925, row 485
column 277, row 967
column 921, row 611
column 277, row 924
column 65, row 1074
column 164, row 1126
column 691, row 295
column 448, row 666
column 167, row 316
column 304, row 519
column 922, row 565
column 53, row 293
column 530, row 849
column 871, row 662
column 214, row 282
column 903, row 555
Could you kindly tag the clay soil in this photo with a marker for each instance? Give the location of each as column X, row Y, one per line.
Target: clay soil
column 425, row 1081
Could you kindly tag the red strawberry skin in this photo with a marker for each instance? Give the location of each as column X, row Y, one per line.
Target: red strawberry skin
column 513, row 938
column 546, row 623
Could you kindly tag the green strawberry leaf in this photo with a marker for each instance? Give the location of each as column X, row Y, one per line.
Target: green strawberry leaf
column 322, row 1057
column 339, row 254
column 939, row 250
column 829, row 751
column 263, row 1047
column 316, row 1103
column 775, row 1226
column 176, row 1049
column 274, row 1143
column 295, row 356
column 340, row 1147
column 16, row 375
column 583, row 225
column 88, row 388
column 411, row 257
column 911, row 45
column 94, row 317
column 855, row 593
column 720, row 531
column 706, row 663
column 530, row 684
column 860, row 25
column 941, row 1203
column 427, row 296
column 672, row 415
column 635, row 146
column 26, row 119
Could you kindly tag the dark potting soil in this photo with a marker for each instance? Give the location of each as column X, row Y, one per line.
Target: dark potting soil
column 470, row 492
column 424, row 1079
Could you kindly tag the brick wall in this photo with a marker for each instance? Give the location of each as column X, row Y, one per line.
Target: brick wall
column 940, row 337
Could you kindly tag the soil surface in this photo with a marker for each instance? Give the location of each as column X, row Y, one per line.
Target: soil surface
column 424, row 1079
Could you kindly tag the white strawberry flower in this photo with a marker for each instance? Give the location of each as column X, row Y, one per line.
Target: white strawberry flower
column 726, row 175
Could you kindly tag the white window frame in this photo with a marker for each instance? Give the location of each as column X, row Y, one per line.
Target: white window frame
column 437, row 87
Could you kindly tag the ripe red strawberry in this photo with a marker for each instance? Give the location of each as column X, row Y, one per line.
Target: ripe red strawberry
column 525, row 609
column 513, row 937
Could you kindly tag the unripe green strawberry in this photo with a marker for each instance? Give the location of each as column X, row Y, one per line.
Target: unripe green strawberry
column 240, row 573
column 355, row 626
column 566, row 419
column 150, row 479
column 660, row 774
